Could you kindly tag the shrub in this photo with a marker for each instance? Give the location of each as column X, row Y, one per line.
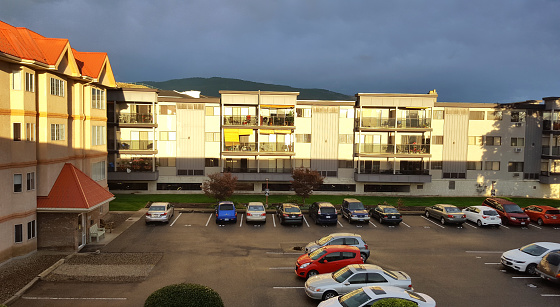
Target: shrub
column 185, row 295
column 394, row 302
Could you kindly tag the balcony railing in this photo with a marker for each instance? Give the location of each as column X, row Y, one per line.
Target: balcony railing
column 413, row 149
column 377, row 122
column 276, row 147
column 256, row 170
column 389, row 149
column 396, row 172
column 241, row 147
column 386, row 122
column 277, row 120
column 555, row 151
column 414, row 123
column 240, row 120
column 135, row 145
column 551, row 124
column 377, row 148
column 136, row 118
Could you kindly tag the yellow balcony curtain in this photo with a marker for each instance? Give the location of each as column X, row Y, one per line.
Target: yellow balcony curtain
column 245, row 131
column 231, row 135
column 266, row 131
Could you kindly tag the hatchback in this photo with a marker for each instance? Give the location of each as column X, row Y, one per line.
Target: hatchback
column 543, row 215
column 482, row 215
column 255, row 212
column 326, row 260
column 352, row 277
column 510, row 212
column 225, row 212
column 354, row 211
column 367, row 296
column 289, row 214
column 323, row 213
column 526, row 258
column 160, row 212
column 549, row 267
column 446, row 214
column 386, row 214
column 341, row 238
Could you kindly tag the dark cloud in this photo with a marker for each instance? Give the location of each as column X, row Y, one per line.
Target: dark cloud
column 475, row 51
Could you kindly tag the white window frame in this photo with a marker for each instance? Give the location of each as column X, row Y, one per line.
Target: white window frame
column 58, row 132
column 20, row 176
column 57, row 87
column 18, row 233
column 98, row 135
column 30, row 132
column 16, row 80
column 29, row 82
column 98, row 170
column 98, row 98
column 30, row 183
column 31, row 230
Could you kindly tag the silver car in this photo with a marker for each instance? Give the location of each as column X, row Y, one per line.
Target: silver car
column 255, row 212
column 160, row 212
column 446, row 214
column 352, row 277
column 341, row 238
column 367, row 296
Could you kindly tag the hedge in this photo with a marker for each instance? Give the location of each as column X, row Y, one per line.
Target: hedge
column 185, row 295
column 394, row 302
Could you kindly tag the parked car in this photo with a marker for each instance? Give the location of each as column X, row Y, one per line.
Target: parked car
column 225, row 212
column 526, row 258
column 510, row 212
column 352, row 277
column 327, row 259
column 549, row 267
column 160, row 212
column 446, row 214
column 353, row 210
column 341, row 238
column 543, row 215
column 323, row 213
column 289, row 214
column 367, row 296
column 482, row 216
column 386, row 214
column 255, row 212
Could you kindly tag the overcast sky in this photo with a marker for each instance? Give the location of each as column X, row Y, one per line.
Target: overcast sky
column 469, row 51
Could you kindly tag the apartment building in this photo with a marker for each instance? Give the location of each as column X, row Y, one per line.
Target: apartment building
column 53, row 149
column 383, row 143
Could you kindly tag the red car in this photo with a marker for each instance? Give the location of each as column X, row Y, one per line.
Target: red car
column 327, row 259
column 543, row 215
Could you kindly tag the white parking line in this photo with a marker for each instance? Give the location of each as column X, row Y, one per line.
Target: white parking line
column 288, row 287
column 501, row 225
column 209, row 219
column 525, row 277
column 282, row 253
column 492, row 263
column 550, row 295
column 405, row 224
column 305, row 220
column 241, row 222
column 535, row 226
column 175, row 220
column 373, row 224
column 484, row 252
column 283, row 268
column 273, row 220
column 427, row 219
column 75, row 298
column 339, row 223
column 470, row 225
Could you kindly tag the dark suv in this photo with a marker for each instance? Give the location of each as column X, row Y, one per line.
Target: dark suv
column 354, row 211
column 510, row 212
column 323, row 213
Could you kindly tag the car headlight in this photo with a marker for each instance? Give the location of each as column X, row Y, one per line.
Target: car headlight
column 311, row 288
column 303, row 266
column 512, row 218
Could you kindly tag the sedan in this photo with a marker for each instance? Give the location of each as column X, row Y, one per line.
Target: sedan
column 526, row 258
column 446, row 214
column 543, row 215
column 225, row 212
column 160, row 212
column 289, row 214
column 482, row 215
column 352, row 277
column 386, row 214
column 367, row 296
column 255, row 212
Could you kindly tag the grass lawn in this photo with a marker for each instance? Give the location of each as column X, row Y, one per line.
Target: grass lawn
column 133, row 202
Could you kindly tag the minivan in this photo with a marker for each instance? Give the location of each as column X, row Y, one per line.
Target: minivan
column 323, row 213
column 510, row 212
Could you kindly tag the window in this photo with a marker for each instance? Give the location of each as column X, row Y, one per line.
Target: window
column 31, row 230
column 212, row 111
column 18, row 183
column 452, row 185
column 168, row 110
column 492, row 165
column 455, row 175
column 167, row 136
column 57, row 87
column 345, row 164
column 476, row 115
column 98, row 171
column 437, row 164
column 31, row 181
column 493, row 141
column 438, row 114
column 328, row 173
column 494, row 115
column 29, row 82
column 98, row 135
column 300, row 112
column 166, row 161
column 345, row 139
column 518, row 142
column 302, row 163
column 475, row 140
column 303, row 138
column 517, row 116
column 420, row 187
column 211, row 162
column 57, row 132
column 438, row 140
column 474, row 165
column 190, row 172
column 97, row 98
column 212, row 136
column 16, row 80
column 30, row 132
column 18, row 233
column 17, row 132
column 515, row 167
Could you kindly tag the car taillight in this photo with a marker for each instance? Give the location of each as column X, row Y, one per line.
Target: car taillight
column 165, row 213
column 263, row 214
column 319, row 212
column 484, row 217
column 285, row 214
column 464, row 216
column 449, row 215
column 410, row 286
column 300, row 214
column 148, row 214
column 366, row 246
column 235, row 213
column 249, row 214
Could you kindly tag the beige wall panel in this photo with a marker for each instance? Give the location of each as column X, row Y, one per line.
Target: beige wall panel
column 455, row 140
column 190, row 139
column 278, row 99
column 240, row 99
column 324, row 138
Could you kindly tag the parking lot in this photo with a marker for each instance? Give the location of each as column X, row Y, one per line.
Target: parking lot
column 253, row 265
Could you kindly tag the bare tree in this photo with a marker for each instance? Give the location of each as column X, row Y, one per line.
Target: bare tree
column 219, row 186
column 305, row 181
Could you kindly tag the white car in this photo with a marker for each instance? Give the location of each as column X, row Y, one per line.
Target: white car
column 160, row 212
column 256, row 212
column 482, row 215
column 526, row 258
column 366, row 296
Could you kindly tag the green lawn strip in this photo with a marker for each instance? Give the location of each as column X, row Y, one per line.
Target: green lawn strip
column 134, row 202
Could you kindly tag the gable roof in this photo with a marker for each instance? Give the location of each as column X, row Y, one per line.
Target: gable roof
column 74, row 191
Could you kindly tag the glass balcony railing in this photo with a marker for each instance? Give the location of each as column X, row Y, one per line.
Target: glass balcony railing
column 136, row 118
column 240, row 120
column 377, row 122
column 277, row 120
column 136, row 145
column 377, row 148
column 256, row 170
column 241, row 147
column 385, row 122
column 555, row 151
column 413, row 149
column 276, row 147
column 134, row 165
column 414, row 123
column 397, row 172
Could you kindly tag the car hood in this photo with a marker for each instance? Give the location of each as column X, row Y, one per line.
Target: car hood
column 523, row 215
column 516, row 254
column 429, row 301
column 311, row 247
column 303, row 259
column 359, row 211
column 331, row 302
column 321, row 280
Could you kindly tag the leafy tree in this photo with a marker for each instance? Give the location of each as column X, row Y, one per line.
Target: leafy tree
column 394, row 302
column 184, row 295
column 219, row 186
column 305, row 181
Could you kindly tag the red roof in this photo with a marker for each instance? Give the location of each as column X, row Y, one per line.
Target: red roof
column 90, row 63
column 74, row 190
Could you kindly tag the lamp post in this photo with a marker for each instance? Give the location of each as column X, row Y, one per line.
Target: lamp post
column 266, row 192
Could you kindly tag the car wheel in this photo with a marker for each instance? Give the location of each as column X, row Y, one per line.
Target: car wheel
column 531, row 269
column 329, row 294
column 364, row 257
column 380, row 221
column 540, row 222
column 312, row 273
column 442, row 221
column 479, row 223
column 427, row 214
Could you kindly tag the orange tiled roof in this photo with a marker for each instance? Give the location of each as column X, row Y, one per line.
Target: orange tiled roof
column 73, row 191
column 90, row 63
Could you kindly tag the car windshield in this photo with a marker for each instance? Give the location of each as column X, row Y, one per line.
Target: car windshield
column 327, row 210
column 317, row 254
column 157, row 208
column 342, row 274
column 512, row 209
column 452, row 210
column 533, row 249
column 489, row 212
column 354, row 299
column 415, row 295
column 391, row 210
column 324, row 240
column 355, row 206
column 390, row 274
column 256, row 208
column 552, row 212
column 226, row 207
column 553, row 259
column 292, row 209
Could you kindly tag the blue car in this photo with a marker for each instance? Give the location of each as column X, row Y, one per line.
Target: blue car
column 225, row 212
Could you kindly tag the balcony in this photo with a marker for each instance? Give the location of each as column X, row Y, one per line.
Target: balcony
column 135, row 146
column 393, row 123
column 277, row 121
column 254, row 174
column 276, row 147
column 399, row 176
column 377, row 148
column 413, row 149
column 133, row 176
column 136, row 120
column 240, row 120
column 546, row 151
column 241, row 147
column 376, row 122
column 551, row 125
column 549, row 178
column 388, row 149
